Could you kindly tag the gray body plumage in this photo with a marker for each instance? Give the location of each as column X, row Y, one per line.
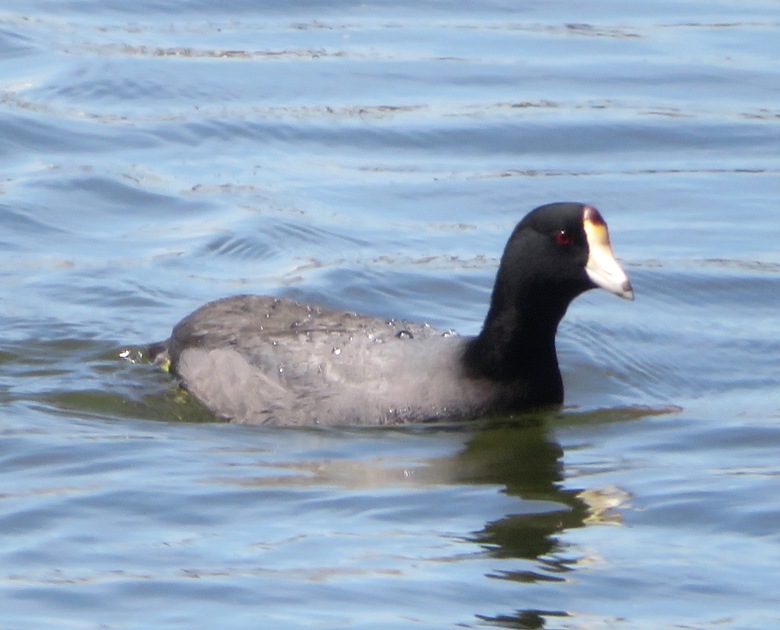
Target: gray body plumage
column 264, row 360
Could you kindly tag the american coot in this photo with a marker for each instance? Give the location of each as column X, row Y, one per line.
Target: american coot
column 266, row 360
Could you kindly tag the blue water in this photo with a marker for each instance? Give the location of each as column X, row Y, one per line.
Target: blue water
column 159, row 154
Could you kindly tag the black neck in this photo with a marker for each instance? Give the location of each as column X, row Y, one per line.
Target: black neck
column 516, row 346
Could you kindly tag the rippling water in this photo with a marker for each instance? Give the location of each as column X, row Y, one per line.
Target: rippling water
column 160, row 154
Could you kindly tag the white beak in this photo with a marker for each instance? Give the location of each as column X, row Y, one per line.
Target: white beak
column 602, row 266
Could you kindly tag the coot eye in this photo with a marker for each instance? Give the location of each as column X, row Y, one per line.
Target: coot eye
column 563, row 238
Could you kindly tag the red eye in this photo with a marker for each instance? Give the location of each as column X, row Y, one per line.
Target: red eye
column 563, row 238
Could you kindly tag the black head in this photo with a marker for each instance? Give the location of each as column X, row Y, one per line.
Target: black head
column 558, row 251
